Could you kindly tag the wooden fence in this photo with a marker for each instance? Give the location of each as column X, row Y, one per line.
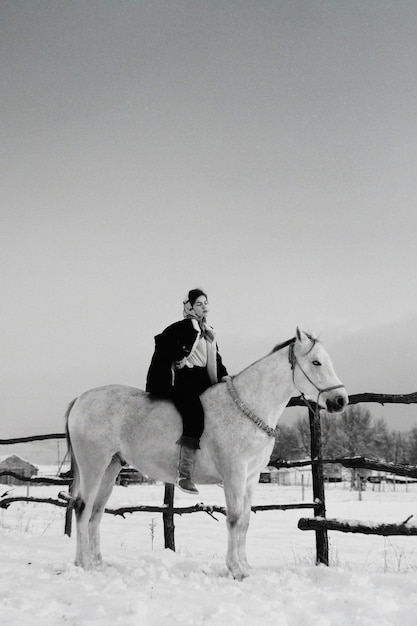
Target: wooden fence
column 320, row 524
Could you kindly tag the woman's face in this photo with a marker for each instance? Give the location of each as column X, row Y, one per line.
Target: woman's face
column 200, row 307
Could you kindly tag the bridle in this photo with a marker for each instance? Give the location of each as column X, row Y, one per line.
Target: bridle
column 294, row 362
column 272, row 432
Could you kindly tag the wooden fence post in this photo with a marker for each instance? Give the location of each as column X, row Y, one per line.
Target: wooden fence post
column 322, row 541
column 168, row 517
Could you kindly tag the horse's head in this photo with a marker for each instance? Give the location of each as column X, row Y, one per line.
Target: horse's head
column 313, row 374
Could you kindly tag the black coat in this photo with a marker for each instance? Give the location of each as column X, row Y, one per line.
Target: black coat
column 173, row 344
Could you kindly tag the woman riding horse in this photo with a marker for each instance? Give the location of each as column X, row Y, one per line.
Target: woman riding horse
column 185, row 363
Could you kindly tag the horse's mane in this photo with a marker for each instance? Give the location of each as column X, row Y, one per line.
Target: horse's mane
column 280, row 346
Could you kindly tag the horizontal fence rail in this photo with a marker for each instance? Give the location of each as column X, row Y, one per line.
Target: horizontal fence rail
column 354, row 462
column 37, row 480
column 377, row 398
column 199, row 507
column 207, row 508
column 6, row 502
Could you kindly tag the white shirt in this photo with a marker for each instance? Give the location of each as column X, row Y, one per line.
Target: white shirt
column 198, row 356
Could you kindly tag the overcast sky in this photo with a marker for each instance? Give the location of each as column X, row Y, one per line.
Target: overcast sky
column 265, row 150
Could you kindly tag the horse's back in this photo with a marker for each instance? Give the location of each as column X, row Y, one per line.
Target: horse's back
column 114, row 409
column 143, row 429
column 118, row 419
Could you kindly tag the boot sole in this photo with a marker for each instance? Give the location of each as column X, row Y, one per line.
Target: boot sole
column 191, row 493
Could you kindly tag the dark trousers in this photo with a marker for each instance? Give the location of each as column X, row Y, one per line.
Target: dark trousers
column 189, row 384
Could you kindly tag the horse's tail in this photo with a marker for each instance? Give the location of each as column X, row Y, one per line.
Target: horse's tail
column 66, row 416
column 74, row 473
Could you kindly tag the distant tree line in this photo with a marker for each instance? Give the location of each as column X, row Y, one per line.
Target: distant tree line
column 353, row 433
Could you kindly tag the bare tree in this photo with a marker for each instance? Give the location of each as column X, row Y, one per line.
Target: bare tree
column 287, row 445
column 356, row 431
column 302, row 429
column 412, row 446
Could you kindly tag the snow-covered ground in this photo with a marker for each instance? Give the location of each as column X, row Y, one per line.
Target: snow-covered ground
column 371, row 580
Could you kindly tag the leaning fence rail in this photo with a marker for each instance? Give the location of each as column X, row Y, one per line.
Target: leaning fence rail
column 353, row 526
column 6, row 442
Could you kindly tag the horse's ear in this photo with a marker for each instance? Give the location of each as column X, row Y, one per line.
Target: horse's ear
column 298, row 334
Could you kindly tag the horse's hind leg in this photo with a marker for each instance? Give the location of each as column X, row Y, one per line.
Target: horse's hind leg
column 88, row 486
column 102, row 497
column 83, row 506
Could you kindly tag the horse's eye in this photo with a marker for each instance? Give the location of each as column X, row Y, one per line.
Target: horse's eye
column 317, row 363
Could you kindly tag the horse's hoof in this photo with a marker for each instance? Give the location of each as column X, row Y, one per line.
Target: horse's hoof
column 86, row 566
column 241, row 576
column 238, row 573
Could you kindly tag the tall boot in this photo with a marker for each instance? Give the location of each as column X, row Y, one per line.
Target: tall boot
column 185, row 467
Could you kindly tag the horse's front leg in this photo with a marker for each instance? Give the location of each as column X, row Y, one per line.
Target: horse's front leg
column 247, row 509
column 234, row 490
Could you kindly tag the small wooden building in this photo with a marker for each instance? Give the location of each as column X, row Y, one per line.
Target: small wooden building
column 19, row 466
column 280, row 476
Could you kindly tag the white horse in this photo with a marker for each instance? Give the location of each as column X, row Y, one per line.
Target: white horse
column 111, row 425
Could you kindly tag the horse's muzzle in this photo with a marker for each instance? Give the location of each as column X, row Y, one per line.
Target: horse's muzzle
column 337, row 403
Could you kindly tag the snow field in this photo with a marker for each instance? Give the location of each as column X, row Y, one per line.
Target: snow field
column 371, row 581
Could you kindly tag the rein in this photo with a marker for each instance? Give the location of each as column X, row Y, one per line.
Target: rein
column 272, row 432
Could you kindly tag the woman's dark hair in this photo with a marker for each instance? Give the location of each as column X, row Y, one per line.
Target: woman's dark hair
column 193, row 294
